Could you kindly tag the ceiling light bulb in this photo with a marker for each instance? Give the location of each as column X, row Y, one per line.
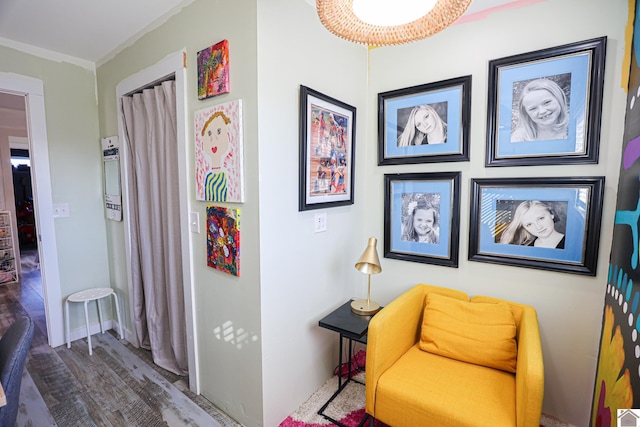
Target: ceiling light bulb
column 396, row 12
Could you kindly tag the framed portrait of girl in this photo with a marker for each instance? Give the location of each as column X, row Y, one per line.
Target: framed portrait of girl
column 425, row 123
column 422, row 217
column 544, row 107
column 543, row 223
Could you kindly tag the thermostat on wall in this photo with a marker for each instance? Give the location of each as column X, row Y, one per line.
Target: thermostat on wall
column 112, row 191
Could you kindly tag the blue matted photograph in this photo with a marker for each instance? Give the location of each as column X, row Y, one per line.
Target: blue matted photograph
column 544, row 223
column 425, row 123
column 422, row 217
column 545, row 106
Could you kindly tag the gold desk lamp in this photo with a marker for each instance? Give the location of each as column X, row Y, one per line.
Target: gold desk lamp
column 368, row 264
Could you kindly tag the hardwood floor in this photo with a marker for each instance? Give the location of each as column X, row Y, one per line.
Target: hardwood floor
column 117, row 386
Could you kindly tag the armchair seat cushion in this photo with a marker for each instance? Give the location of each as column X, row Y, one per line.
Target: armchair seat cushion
column 424, row 385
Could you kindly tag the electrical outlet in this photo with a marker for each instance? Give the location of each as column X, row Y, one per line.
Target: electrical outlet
column 61, row 210
column 320, row 222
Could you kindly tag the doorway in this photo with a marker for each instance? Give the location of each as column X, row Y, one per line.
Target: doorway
column 32, row 92
column 28, row 257
column 173, row 65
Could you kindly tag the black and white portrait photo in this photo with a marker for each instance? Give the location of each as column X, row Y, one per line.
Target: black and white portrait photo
column 531, row 223
column 540, row 109
column 421, row 217
column 422, row 124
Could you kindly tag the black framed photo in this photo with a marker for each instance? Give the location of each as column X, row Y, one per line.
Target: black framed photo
column 544, row 223
column 422, row 217
column 327, row 148
column 425, row 123
column 544, row 106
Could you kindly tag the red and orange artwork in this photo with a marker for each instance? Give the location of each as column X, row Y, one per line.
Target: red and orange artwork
column 223, row 239
column 213, row 70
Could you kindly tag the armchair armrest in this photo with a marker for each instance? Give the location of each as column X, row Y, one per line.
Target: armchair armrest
column 530, row 363
column 529, row 371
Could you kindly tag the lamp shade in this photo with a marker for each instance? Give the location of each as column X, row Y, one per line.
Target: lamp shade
column 369, row 262
column 339, row 17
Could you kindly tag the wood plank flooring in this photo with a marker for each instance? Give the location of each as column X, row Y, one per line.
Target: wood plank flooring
column 118, row 386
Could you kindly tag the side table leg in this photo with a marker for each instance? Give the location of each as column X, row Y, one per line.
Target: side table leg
column 340, row 364
column 350, row 357
column 366, row 417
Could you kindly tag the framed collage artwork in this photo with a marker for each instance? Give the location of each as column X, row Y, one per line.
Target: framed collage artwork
column 327, row 148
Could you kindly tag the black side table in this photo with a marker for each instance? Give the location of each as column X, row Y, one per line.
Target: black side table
column 352, row 327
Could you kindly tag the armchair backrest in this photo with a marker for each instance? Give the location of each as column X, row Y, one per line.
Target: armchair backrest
column 14, row 346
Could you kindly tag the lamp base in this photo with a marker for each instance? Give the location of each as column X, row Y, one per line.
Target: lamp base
column 364, row 307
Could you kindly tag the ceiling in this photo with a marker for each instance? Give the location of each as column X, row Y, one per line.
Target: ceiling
column 93, row 31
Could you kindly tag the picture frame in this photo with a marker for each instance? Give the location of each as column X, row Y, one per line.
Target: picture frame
column 444, row 108
column 213, row 70
column 219, row 153
column 223, row 239
column 422, row 217
column 544, row 107
column 327, row 149
column 542, row 223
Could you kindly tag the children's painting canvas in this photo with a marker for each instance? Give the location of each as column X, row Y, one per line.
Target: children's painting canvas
column 218, row 151
column 223, row 239
column 213, row 70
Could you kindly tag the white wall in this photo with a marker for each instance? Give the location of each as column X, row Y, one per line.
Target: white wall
column 569, row 306
column 304, row 276
column 75, row 169
column 227, row 307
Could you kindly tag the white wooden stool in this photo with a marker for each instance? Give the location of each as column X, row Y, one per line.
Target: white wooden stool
column 94, row 294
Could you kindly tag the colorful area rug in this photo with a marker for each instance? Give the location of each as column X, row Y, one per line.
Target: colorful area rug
column 348, row 407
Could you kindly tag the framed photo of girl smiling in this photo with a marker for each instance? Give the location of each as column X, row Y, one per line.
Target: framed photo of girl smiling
column 544, row 106
column 544, row 223
column 428, row 123
column 422, row 217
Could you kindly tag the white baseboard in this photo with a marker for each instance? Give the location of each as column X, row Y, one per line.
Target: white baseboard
column 81, row 332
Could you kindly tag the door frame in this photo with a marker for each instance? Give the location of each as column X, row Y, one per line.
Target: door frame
column 173, row 65
column 33, row 91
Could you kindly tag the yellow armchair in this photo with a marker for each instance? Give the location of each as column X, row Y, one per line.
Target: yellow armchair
column 408, row 386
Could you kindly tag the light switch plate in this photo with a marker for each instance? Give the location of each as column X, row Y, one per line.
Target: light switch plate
column 320, row 222
column 194, row 220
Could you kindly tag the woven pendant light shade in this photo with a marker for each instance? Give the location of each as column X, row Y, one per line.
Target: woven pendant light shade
column 338, row 17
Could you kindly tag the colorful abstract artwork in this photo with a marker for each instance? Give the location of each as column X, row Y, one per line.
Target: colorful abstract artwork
column 213, row 70
column 218, row 151
column 223, row 239
column 617, row 385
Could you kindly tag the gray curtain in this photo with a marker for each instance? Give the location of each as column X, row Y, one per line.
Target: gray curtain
column 158, row 297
